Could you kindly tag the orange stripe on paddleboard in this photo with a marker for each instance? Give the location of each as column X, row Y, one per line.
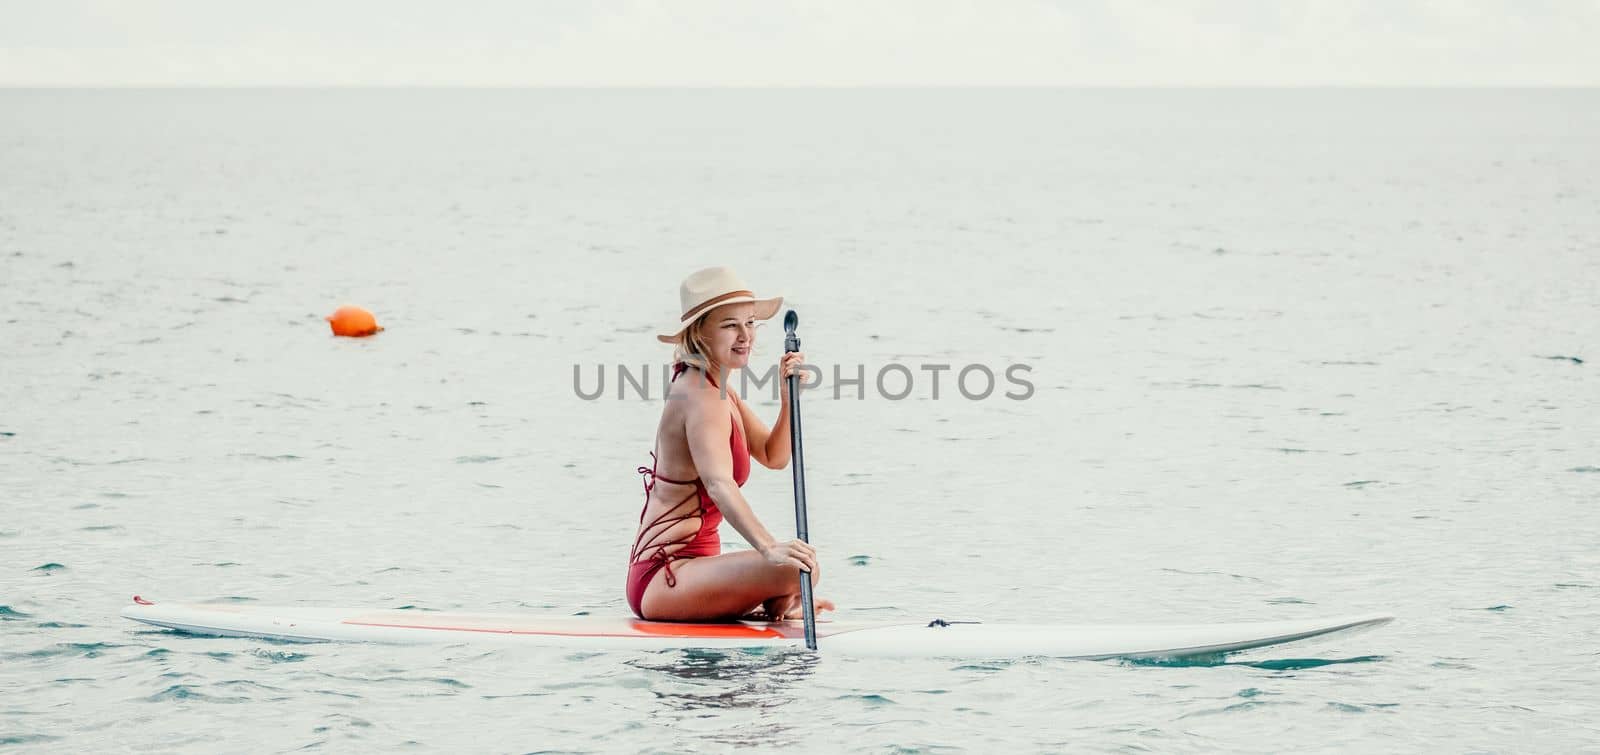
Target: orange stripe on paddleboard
column 641, row 629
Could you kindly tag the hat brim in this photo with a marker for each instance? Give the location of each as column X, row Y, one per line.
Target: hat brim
column 765, row 309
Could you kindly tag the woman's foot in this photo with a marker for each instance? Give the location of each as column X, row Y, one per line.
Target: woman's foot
column 786, row 608
column 799, row 611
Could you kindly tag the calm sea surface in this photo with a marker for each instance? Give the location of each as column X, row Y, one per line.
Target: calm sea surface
column 1295, row 353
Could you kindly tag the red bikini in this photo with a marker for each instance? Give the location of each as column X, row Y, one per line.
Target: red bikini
column 650, row 553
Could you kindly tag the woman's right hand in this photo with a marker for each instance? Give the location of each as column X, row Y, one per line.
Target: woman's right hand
column 793, row 553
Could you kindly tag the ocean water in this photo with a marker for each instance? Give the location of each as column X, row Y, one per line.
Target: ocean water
column 1293, row 353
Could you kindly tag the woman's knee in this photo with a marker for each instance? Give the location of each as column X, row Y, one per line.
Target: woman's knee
column 789, row 577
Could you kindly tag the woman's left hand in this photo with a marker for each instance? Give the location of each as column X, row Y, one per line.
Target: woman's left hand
column 791, row 365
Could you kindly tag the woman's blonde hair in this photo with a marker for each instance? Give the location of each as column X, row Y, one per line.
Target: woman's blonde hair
column 691, row 349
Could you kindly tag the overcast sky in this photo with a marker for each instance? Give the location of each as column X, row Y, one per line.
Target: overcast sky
column 800, row 42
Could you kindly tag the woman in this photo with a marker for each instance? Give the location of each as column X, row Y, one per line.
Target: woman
column 706, row 438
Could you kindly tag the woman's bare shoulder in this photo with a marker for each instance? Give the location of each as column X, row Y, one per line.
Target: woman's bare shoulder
column 694, row 398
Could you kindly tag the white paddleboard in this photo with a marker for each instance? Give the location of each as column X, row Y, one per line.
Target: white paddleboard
column 937, row 639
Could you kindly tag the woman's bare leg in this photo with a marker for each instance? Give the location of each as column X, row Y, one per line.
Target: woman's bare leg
column 721, row 587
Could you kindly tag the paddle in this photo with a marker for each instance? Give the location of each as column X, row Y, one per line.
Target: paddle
column 791, row 343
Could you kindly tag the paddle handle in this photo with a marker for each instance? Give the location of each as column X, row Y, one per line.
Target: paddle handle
column 791, row 343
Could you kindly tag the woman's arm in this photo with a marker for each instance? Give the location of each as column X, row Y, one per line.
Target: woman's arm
column 707, row 427
column 770, row 447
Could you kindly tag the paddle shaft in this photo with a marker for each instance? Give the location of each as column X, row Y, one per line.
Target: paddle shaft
column 791, row 343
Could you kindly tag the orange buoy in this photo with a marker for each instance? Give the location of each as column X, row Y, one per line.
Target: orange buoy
column 353, row 321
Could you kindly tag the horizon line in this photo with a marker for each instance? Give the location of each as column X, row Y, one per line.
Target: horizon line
column 635, row 87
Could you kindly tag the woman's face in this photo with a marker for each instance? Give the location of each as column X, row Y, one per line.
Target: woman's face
column 730, row 333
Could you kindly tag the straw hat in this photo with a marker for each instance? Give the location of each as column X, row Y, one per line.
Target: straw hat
column 713, row 287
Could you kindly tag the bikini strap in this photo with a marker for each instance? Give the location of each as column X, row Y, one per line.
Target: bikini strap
column 650, row 472
column 678, row 368
column 640, row 545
